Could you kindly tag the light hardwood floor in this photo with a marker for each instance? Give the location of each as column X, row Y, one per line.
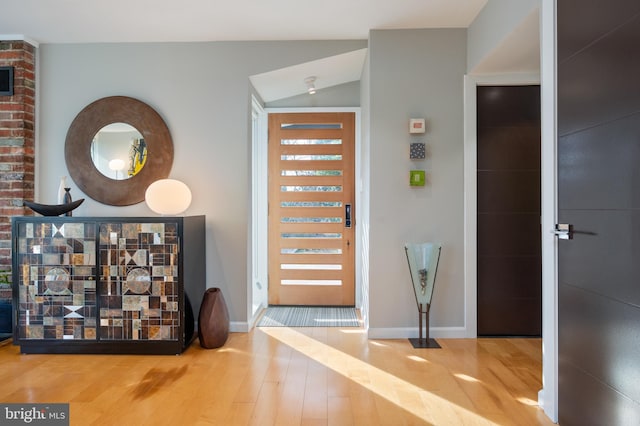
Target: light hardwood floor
column 297, row 376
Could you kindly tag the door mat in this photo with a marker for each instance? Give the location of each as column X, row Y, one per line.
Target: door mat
column 309, row 316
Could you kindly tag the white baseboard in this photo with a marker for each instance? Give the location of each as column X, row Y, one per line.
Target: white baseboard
column 239, row 327
column 407, row 332
column 246, row 326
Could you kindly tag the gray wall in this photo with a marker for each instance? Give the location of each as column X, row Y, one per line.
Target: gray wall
column 202, row 91
column 495, row 22
column 415, row 73
column 342, row 95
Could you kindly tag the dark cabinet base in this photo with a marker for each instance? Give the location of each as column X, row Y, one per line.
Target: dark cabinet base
column 107, row 285
column 135, row 348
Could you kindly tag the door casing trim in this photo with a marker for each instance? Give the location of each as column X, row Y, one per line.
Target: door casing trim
column 471, row 188
column 547, row 397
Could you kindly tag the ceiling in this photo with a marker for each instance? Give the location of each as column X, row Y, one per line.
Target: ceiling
column 98, row 21
column 116, row 21
column 328, row 72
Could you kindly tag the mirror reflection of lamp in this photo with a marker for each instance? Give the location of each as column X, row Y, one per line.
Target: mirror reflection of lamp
column 168, row 197
column 116, row 165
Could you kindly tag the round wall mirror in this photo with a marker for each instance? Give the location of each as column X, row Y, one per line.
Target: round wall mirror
column 115, row 148
column 118, row 151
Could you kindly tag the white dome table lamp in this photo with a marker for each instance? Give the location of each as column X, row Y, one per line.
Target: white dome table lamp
column 168, row 197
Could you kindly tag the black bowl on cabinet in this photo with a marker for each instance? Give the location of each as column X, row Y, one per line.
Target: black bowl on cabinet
column 53, row 209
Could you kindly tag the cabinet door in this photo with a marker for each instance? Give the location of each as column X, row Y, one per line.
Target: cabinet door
column 56, row 287
column 140, row 295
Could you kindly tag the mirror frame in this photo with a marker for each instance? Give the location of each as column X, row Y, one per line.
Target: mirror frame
column 77, row 149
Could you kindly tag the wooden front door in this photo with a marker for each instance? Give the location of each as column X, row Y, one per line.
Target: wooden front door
column 311, row 209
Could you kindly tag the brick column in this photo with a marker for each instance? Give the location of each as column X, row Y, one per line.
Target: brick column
column 17, row 143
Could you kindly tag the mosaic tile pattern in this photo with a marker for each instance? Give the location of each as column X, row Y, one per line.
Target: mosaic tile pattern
column 417, row 151
column 139, row 292
column 56, row 287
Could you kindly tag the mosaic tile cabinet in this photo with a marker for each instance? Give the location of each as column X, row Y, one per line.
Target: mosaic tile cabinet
column 107, row 285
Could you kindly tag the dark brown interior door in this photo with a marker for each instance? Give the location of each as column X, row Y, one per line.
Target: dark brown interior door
column 599, row 195
column 509, row 250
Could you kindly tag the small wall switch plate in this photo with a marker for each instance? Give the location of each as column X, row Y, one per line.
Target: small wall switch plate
column 417, row 151
column 417, row 125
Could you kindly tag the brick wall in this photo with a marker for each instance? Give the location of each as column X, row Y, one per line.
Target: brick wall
column 17, row 143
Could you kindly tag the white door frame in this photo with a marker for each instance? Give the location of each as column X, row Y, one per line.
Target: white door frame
column 547, row 397
column 258, row 267
column 471, row 188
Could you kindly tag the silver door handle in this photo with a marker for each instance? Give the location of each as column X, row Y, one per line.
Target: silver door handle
column 563, row 231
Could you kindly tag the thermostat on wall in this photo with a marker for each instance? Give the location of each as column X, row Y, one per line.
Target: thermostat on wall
column 416, row 125
column 6, row 81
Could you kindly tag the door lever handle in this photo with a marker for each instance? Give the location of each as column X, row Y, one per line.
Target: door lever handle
column 563, row 231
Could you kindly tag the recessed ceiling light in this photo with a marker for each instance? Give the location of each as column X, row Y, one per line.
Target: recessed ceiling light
column 311, row 87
